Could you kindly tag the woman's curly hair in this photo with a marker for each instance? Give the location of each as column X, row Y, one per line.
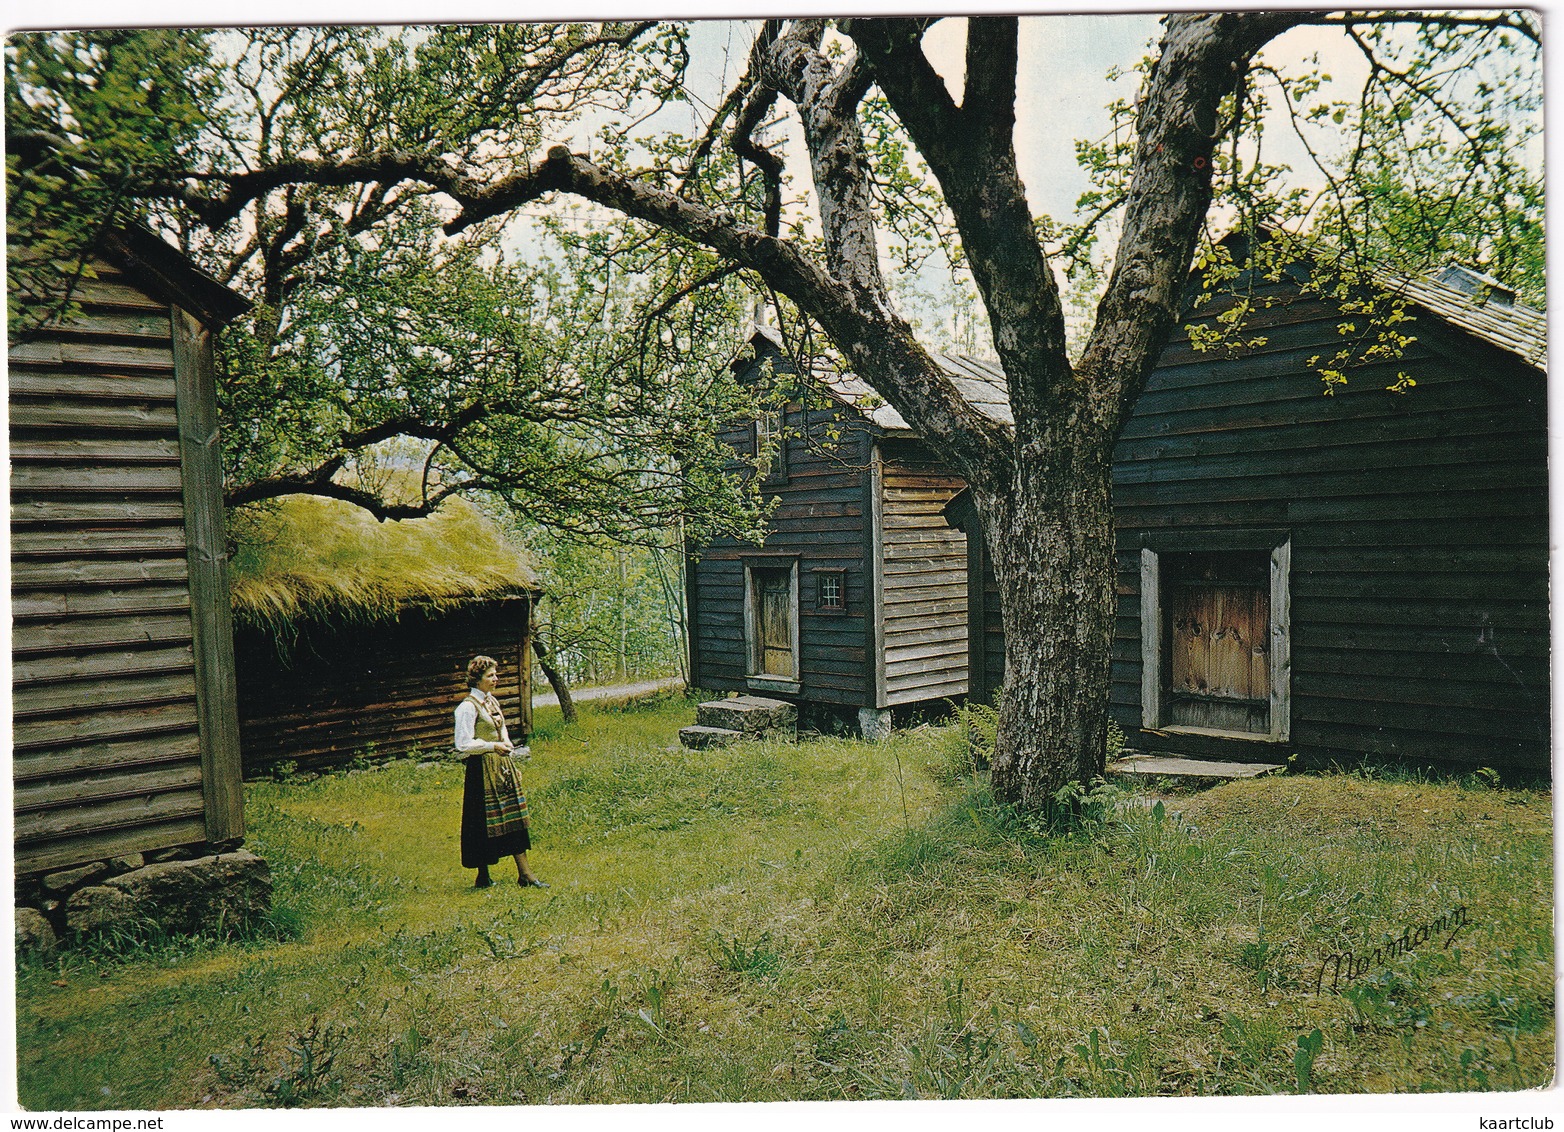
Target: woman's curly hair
column 477, row 666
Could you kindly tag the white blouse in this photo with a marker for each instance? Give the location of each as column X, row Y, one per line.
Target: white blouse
column 466, row 724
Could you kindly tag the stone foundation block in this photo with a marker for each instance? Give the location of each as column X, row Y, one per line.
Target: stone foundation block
column 699, row 738
column 69, row 880
column 98, row 906
column 182, row 897
column 33, row 932
column 751, row 714
column 874, row 724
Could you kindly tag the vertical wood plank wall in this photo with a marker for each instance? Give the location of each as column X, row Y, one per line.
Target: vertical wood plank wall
column 107, row 747
column 924, row 578
column 384, row 688
column 1418, row 524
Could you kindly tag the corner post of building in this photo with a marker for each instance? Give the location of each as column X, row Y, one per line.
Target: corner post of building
column 211, row 616
column 1150, row 640
column 524, row 669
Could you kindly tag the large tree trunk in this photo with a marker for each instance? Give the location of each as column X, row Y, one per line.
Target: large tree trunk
column 567, row 706
column 1043, row 490
column 1051, row 543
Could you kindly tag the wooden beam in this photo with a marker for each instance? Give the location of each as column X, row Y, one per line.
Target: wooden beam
column 210, row 613
column 875, row 511
column 99, row 844
column 1281, row 642
column 524, row 672
column 1150, row 640
column 978, row 685
column 691, row 613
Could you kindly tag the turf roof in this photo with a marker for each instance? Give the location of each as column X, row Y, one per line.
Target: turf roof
column 308, row 557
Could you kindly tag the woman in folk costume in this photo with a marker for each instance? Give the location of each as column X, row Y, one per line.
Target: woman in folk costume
column 494, row 810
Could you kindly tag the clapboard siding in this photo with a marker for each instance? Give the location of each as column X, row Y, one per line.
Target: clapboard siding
column 97, row 547
column 923, row 565
column 108, row 749
column 819, row 523
column 86, row 756
column 1418, row 530
column 342, row 692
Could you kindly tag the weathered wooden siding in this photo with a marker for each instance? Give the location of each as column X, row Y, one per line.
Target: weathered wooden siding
column 822, row 521
column 924, row 578
column 107, row 744
column 1418, row 528
column 337, row 693
column 819, row 519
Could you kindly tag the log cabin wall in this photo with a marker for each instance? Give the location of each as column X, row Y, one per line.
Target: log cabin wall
column 821, row 523
column 923, row 578
column 341, row 692
column 1417, row 527
column 124, row 736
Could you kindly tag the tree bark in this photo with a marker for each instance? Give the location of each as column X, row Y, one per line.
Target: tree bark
column 1050, row 539
column 1043, row 488
column 567, row 706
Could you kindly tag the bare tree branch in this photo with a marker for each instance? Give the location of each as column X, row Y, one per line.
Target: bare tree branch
column 1521, row 22
column 1202, row 57
column 974, row 161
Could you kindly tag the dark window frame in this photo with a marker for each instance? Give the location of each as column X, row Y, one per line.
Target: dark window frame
column 838, row 574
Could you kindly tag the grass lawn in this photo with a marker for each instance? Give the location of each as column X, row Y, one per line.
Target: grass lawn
column 827, row 921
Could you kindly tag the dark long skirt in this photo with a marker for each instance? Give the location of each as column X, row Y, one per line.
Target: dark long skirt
column 478, row 848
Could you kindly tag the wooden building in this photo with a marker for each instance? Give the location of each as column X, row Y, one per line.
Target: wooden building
column 1357, row 575
column 856, row 601
column 125, row 735
column 352, row 637
column 1361, row 574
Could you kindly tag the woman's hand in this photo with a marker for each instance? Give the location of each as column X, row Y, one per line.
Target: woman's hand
column 502, row 747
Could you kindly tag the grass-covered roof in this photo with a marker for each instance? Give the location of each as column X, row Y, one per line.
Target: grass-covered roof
column 323, row 559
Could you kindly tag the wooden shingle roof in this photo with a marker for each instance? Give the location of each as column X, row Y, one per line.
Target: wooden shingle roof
column 979, row 380
column 1511, row 326
column 1485, row 308
column 1487, row 314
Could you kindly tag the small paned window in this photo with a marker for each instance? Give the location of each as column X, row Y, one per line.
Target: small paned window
column 831, row 591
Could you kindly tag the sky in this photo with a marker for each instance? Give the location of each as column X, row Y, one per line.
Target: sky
column 1062, row 93
column 1062, row 89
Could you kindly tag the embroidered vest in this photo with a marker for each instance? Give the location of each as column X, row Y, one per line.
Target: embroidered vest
column 488, row 721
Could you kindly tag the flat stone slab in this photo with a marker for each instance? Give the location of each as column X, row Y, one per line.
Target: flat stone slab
column 1175, row 766
column 699, row 738
column 747, row 713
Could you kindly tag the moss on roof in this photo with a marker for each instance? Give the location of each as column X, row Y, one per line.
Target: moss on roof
column 323, row 559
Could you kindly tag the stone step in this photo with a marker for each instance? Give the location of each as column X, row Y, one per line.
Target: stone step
column 699, row 738
column 1198, row 773
column 750, row 714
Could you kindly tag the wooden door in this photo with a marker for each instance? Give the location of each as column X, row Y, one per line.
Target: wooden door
column 1218, row 633
column 774, row 622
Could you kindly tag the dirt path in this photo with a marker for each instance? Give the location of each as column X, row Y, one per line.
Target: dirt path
column 610, row 692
